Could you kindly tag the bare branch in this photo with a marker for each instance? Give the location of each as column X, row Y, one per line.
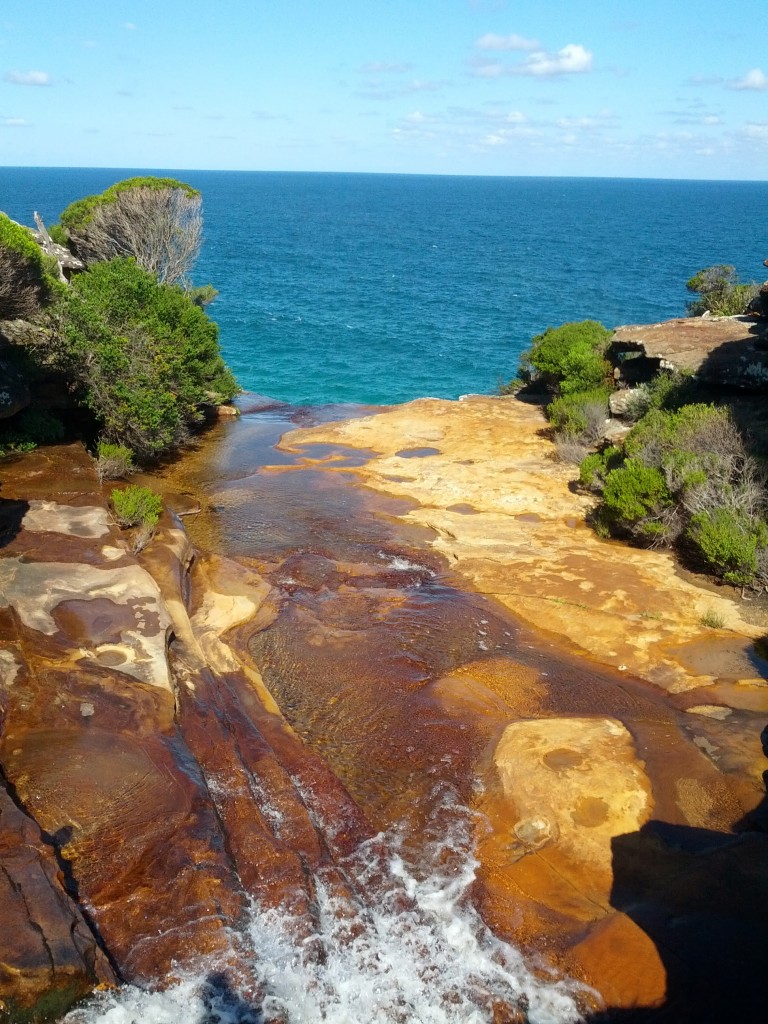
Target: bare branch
column 160, row 228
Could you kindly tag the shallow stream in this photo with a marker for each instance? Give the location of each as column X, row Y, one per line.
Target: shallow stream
column 402, row 681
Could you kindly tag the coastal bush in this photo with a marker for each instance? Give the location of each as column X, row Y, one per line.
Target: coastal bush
column 113, row 461
column 581, row 414
column 157, row 221
column 636, row 499
column 732, row 543
column 668, row 390
column 720, row 293
column 142, row 356
column 595, row 467
column 568, row 359
column 686, row 475
column 26, row 281
column 137, row 506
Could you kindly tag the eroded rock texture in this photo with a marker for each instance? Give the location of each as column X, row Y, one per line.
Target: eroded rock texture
column 723, row 350
column 154, row 787
column 153, row 826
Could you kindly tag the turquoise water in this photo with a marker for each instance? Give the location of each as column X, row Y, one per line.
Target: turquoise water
column 381, row 288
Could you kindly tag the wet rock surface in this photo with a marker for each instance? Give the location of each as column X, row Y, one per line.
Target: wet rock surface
column 190, row 731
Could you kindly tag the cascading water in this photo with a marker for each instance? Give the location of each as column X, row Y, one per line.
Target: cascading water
column 366, row 624
column 407, row 947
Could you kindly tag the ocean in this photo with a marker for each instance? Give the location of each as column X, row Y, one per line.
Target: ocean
column 376, row 289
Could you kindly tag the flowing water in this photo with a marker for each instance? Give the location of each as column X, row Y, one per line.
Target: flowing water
column 407, row 948
column 402, row 682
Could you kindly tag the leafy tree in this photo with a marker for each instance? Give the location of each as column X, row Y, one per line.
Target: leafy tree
column 157, row 221
column 141, row 355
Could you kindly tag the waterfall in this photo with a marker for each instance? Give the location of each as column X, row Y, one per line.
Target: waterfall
column 399, row 943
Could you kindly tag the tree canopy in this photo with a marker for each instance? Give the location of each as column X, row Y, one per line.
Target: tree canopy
column 157, row 221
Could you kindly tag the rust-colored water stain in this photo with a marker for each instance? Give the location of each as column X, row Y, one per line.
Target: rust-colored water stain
column 727, row 658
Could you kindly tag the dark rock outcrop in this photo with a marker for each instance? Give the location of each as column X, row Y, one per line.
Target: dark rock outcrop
column 729, row 351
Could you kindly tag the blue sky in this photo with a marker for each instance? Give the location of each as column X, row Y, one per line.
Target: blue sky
column 663, row 88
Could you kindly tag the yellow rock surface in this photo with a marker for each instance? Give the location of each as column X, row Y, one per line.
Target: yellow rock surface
column 504, row 513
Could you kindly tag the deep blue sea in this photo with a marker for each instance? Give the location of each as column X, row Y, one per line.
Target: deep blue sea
column 381, row 288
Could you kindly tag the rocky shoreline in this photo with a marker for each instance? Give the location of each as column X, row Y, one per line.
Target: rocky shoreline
column 138, row 737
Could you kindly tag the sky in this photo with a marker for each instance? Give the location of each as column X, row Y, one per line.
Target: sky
column 659, row 89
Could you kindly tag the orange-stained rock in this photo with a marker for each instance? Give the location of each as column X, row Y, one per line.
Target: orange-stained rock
column 506, row 519
column 47, row 950
column 88, row 738
column 621, row 960
column 572, row 785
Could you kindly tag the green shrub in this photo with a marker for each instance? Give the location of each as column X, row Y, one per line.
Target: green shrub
column 581, row 413
column 113, row 461
column 568, row 358
column 143, row 357
column 730, row 543
column 27, row 282
column 720, row 292
column 636, row 498
column 58, row 234
column 137, row 506
column 693, row 432
column 669, row 390
column 595, row 467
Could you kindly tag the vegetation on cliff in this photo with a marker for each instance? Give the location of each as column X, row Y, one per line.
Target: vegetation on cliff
column 568, row 364
column 136, row 350
column 141, row 356
column 687, row 474
column 27, row 281
column 157, row 221
column 719, row 291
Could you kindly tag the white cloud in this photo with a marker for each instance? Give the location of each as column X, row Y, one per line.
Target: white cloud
column 14, row 122
column 571, row 60
column 28, row 77
column 129, row 26
column 491, row 41
column 757, row 130
column 754, row 79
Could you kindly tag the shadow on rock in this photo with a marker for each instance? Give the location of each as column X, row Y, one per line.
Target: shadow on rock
column 11, row 514
column 702, row 897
